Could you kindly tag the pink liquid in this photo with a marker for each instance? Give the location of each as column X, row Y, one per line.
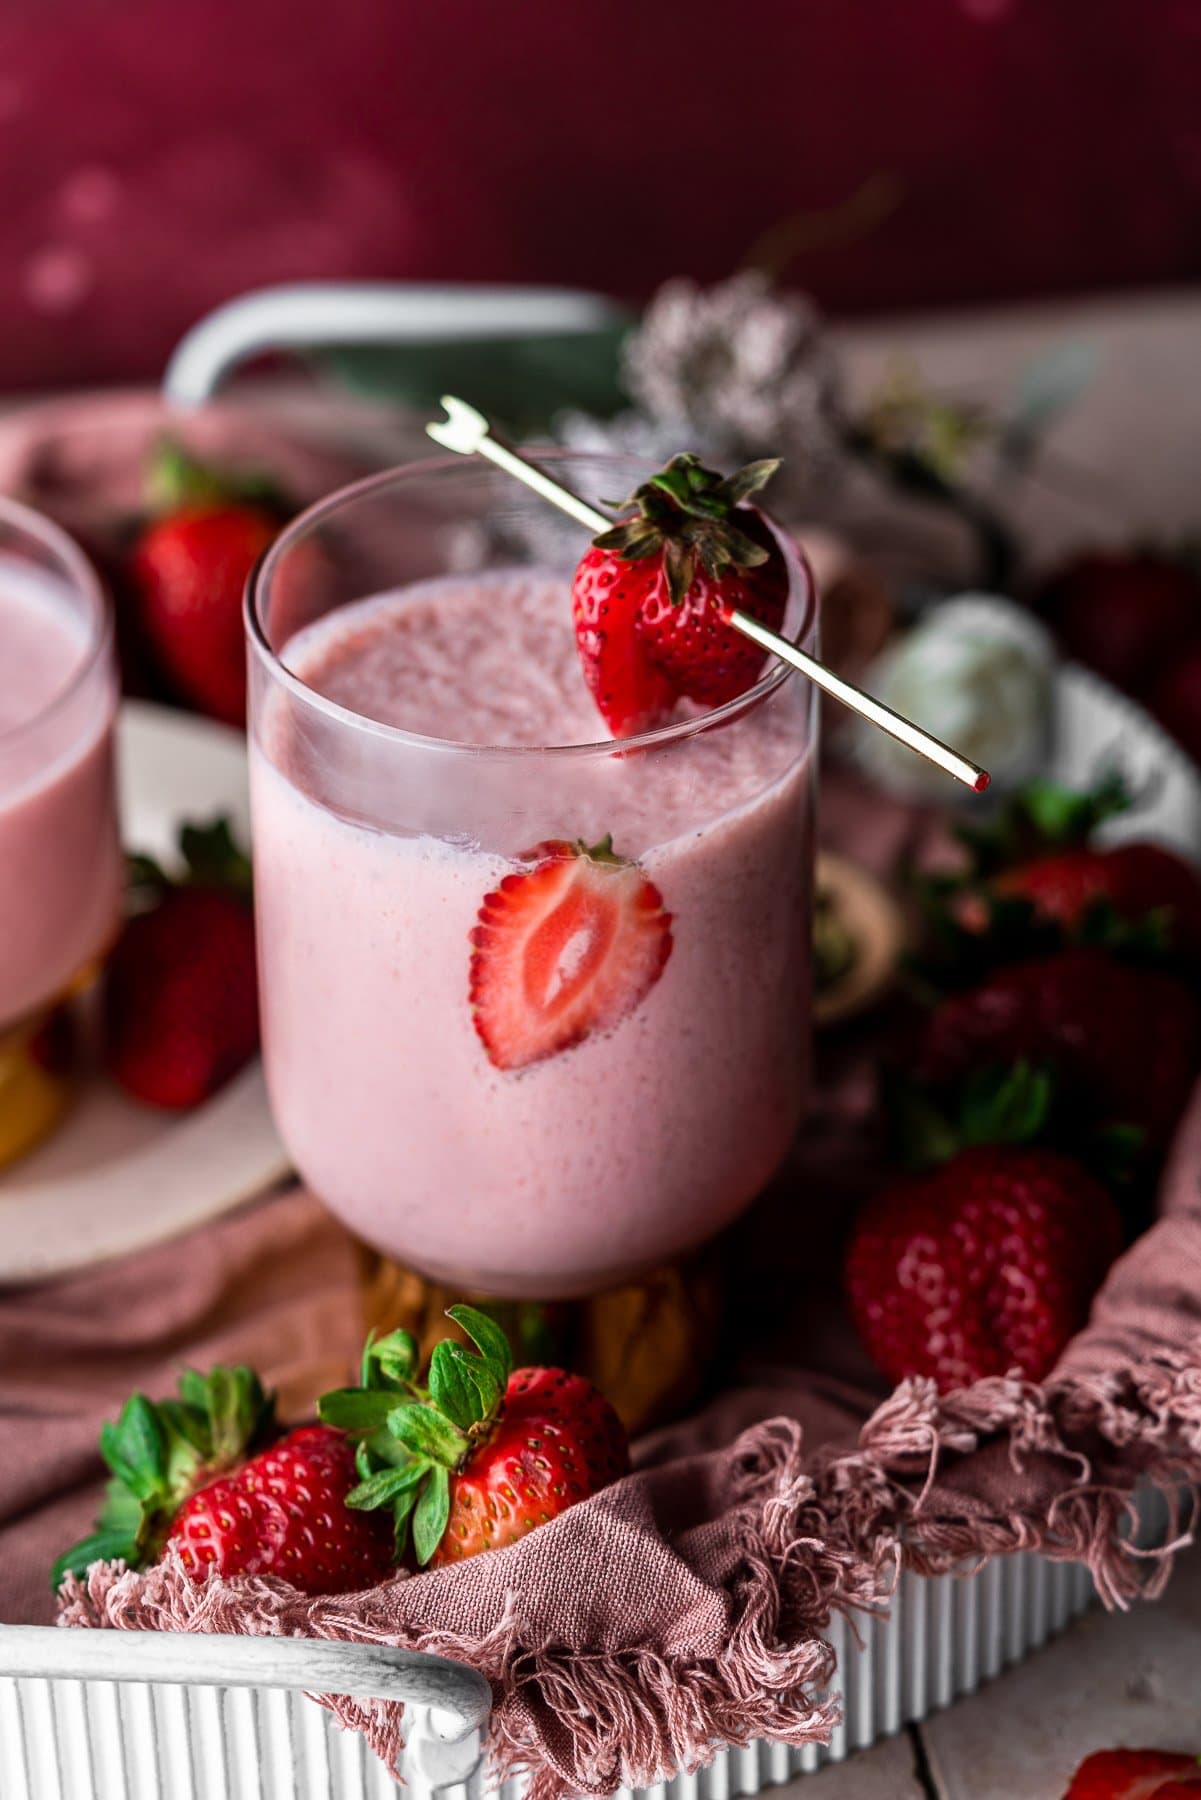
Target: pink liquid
column 60, row 862
column 602, row 1160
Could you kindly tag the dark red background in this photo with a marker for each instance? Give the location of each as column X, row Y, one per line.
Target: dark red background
column 158, row 156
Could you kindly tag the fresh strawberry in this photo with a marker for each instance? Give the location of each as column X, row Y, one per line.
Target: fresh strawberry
column 1132, row 1775
column 200, row 1476
column 564, row 949
column 985, row 1265
column 1125, row 1041
column 652, row 597
column 481, row 1456
column 1176, row 700
column 1137, row 881
column 1124, row 614
column 284, row 1513
column 180, row 990
column 188, row 570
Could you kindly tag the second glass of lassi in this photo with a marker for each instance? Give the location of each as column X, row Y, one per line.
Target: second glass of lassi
column 60, row 858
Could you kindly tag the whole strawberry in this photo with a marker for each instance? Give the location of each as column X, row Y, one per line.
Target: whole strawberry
column 1138, row 882
column 652, row 598
column 481, row 1456
column 1125, row 1041
column 987, row 1264
column 564, row 949
column 1124, row 614
column 188, row 572
column 180, row 998
column 199, row 1475
column 1134, row 1775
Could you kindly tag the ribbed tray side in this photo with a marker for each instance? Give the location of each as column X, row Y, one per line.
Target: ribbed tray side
column 104, row 1740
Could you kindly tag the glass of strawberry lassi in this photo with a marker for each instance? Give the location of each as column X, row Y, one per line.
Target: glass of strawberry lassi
column 535, row 1001
column 60, row 858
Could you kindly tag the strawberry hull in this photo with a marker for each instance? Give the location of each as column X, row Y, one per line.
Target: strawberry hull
column 549, row 1164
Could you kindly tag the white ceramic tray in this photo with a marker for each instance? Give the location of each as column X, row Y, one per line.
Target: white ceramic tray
column 123, row 1715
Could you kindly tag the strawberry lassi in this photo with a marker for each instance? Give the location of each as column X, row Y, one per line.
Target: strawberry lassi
column 60, row 861
column 535, row 1019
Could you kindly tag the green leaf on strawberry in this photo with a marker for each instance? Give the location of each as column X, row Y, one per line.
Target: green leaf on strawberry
column 158, row 1453
column 479, row 1454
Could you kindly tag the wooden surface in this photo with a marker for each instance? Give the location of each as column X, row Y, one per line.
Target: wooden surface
column 1112, row 1678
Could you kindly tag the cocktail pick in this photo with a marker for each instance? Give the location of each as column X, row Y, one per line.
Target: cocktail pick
column 468, row 432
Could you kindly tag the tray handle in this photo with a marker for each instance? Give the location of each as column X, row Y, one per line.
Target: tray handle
column 443, row 1745
column 309, row 315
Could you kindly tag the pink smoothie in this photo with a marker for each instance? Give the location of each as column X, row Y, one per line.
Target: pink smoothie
column 601, row 1160
column 60, row 862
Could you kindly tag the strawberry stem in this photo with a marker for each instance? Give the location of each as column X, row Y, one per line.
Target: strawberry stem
column 159, row 1452
column 411, row 1438
column 685, row 514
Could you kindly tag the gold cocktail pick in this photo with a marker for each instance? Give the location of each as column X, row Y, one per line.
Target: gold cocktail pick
column 468, row 432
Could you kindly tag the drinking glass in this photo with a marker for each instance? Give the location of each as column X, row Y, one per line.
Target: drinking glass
column 60, row 858
column 374, row 850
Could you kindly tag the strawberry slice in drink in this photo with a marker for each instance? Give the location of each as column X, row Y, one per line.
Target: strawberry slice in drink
column 564, row 949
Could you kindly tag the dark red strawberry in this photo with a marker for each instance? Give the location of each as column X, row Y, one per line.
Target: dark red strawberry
column 199, row 1475
column 1124, row 614
column 188, row 571
column 564, row 949
column 1133, row 1775
column 985, row 1265
column 1125, row 1041
column 180, row 990
column 1137, row 881
column 1175, row 700
column 652, row 597
column 484, row 1454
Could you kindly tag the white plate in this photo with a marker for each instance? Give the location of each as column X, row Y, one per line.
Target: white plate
column 118, row 1176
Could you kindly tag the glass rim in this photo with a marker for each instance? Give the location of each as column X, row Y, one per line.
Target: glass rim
column 85, row 577
column 259, row 580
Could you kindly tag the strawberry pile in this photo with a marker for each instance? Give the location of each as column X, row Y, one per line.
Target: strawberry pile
column 1059, row 1044
column 180, row 997
column 397, row 1471
column 1135, row 617
column 652, row 598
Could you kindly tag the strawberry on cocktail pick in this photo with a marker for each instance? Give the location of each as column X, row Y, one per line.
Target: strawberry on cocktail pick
column 466, row 431
column 482, row 1455
column 653, row 596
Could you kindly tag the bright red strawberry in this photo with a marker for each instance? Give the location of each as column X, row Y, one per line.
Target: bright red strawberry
column 987, row 1264
column 631, row 694
column 556, row 1440
column 564, row 949
column 652, row 597
column 188, row 572
column 1135, row 880
column 1124, row 614
column 1176, row 701
column 1132, row 1775
column 284, row 1513
column 180, row 991
column 484, row 1454
column 200, row 1475
column 1125, row 1041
